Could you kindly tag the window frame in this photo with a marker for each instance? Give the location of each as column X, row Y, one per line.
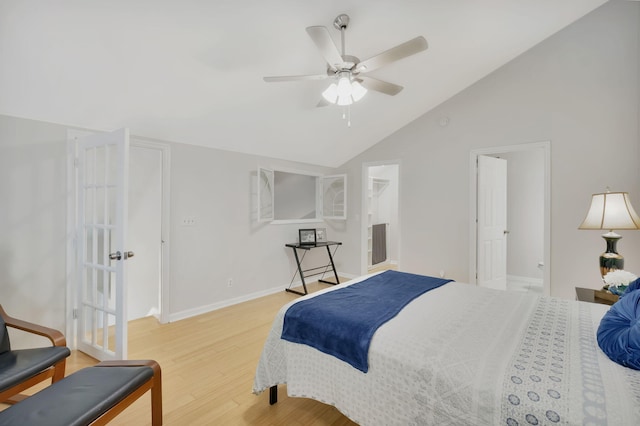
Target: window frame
column 266, row 212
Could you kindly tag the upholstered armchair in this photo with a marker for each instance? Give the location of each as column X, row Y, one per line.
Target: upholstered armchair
column 22, row 368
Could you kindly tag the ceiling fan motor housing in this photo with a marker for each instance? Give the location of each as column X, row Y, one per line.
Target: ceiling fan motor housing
column 349, row 65
column 341, row 21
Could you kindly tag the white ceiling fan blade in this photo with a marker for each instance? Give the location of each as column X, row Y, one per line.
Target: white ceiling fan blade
column 403, row 50
column 380, row 86
column 328, row 49
column 295, row 78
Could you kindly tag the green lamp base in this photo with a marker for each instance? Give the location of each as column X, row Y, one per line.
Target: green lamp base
column 611, row 260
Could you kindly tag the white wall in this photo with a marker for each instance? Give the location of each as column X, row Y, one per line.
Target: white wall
column 294, row 196
column 218, row 189
column 33, row 222
column 578, row 89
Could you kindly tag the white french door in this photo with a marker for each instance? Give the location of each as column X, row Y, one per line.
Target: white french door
column 101, row 244
column 492, row 222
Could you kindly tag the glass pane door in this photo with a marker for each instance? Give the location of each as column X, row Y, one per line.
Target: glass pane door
column 102, row 207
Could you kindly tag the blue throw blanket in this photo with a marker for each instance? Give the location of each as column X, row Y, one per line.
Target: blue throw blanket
column 342, row 322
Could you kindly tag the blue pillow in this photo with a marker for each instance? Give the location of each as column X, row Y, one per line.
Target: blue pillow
column 633, row 285
column 619, row 331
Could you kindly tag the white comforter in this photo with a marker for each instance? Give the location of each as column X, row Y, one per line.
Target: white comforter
column 462, row 355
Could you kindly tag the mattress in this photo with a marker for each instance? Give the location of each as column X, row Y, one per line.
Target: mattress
column 464, row 355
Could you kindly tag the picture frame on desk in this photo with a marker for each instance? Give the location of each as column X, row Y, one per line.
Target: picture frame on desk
column 307, row 237
column 321, row 235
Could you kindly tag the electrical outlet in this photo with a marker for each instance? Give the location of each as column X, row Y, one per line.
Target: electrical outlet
column 230, row 282
column 188, row 221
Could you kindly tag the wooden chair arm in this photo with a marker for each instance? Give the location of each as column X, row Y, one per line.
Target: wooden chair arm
column 56, row 337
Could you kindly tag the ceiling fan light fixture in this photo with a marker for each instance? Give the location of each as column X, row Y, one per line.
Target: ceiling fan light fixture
column 344, row 92
column 344, row 85
column 345, row 100
column 331, row 93
column 357, row 91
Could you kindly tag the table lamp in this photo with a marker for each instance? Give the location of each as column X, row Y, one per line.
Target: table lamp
column 611, row 210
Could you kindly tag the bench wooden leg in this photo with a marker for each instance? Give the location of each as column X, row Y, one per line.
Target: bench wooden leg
column 156, row 397
column 59, row 370
column 155, row 384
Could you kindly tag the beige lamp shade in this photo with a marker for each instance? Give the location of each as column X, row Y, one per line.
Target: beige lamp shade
column 611, row 210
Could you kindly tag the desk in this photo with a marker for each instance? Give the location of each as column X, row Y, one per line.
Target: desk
column 590, row 295
column 306, row 247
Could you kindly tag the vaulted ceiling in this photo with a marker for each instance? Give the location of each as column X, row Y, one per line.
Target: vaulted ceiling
column 191, row 71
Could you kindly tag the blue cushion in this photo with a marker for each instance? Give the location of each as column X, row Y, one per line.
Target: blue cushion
column 619, row 331
column 633, row 285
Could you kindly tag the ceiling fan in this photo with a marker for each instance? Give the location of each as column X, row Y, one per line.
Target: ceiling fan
column 347, row 72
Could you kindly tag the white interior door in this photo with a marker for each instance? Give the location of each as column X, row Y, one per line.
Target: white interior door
column 492, row 222
column 101, row 247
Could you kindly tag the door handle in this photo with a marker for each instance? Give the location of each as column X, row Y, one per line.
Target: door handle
column 118, row 256
column 505, row 232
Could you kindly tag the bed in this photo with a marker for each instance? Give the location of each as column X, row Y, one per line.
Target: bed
column 464, row 355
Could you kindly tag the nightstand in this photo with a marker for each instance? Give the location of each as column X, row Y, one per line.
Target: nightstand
column 589, row 295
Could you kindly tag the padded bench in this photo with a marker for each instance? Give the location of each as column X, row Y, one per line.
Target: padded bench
column 91, row 396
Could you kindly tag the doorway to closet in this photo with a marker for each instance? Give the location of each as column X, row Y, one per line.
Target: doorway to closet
column 380, row 224
column 518, row 258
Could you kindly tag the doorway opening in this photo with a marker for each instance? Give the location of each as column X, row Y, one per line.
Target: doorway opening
column 525, row 253
column 380, row 219
column 147, row 179
column 148, row 230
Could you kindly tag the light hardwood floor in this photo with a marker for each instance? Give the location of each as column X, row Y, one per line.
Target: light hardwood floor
column 208, row 364
column 382, row 267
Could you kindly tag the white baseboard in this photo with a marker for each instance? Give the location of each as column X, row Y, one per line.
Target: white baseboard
column 345, row 275
column 315, row 278
column 219, row 305
column 234, row 301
